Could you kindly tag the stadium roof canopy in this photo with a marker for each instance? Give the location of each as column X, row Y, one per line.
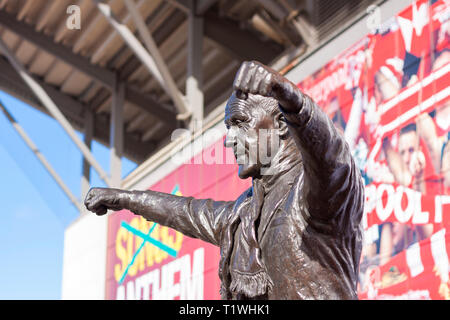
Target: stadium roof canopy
column 109, row 58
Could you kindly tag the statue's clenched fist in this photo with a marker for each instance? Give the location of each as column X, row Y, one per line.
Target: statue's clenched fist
column 100, row 200
column 256, row 78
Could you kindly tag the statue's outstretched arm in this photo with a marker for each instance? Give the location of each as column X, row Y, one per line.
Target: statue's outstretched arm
column 203, row 219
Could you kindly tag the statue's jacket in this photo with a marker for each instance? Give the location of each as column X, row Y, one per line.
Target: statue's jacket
column 309, row 233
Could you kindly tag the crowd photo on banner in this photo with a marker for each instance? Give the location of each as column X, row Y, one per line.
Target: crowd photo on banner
column 389, row 96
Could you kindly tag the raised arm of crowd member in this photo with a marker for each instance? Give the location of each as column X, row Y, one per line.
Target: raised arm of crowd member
column 395, row 164
column 427, row 131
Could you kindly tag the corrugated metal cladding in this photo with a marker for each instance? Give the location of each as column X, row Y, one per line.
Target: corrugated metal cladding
column 78, row 67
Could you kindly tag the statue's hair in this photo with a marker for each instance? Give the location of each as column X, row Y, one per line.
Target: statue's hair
column 273, row 107
column 269, row 104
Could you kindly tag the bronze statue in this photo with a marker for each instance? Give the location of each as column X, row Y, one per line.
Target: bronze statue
column 296, row 233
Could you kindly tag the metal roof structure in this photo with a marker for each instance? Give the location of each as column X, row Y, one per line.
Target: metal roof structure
column 136, row 70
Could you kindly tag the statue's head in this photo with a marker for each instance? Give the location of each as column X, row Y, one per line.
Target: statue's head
column 256, row 129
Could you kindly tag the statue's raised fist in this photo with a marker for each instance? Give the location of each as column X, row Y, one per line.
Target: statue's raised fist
column 256, row 78
column 100, row 200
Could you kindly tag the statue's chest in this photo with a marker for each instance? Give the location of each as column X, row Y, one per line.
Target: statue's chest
column 282, row 232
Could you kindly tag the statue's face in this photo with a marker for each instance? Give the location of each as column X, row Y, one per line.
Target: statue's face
column 251, row 129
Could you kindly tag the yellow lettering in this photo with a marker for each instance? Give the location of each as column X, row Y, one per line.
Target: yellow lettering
column 121, row 253
column 150, row 250
column 140, row 259
column 160, row 255
column 135, row 224
column 178, row 240
column 166, row 238
column 127, row 244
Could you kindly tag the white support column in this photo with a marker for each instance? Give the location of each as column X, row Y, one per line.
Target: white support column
column 116, row 134
column 86, row 169
column 48, row 103
column 194, row 80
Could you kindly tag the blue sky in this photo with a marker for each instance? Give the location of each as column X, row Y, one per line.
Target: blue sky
column 35, row 211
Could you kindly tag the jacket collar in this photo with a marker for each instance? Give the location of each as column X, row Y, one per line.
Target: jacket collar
column 276, row 193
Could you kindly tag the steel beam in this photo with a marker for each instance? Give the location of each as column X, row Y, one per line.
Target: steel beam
column 164, row 111
column 13, row 83
column 238, row 42
column 48, row 103
column 194, row 77
column 73, row 110
column 99, row 74
column 86, row 168
column 201, row 5
column 135, row 149
column 149, row 133
column 180, row 4
column 3, row 3
column 60, row 51
column 98, row 53
column 137, row 48
column 306, row 30
column 41, row 158
column 154, row 64
column 274, row 8
column 116, row 135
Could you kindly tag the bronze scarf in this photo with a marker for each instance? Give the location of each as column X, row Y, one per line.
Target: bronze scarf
column 246, row 276
column 243, row 272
